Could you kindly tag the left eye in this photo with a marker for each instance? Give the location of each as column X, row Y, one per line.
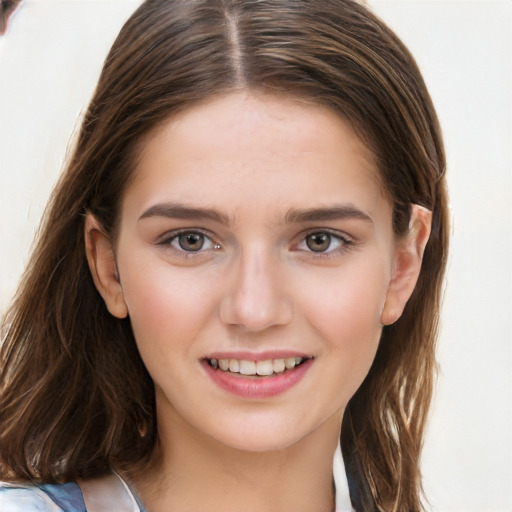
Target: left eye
column 191, row 241
column 322, row 241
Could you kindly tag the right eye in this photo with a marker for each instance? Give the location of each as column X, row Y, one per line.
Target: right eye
column 189, row 241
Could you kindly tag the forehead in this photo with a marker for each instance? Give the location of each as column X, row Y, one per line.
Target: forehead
column 236, row 147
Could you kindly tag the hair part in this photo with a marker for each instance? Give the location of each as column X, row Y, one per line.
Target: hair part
column 76, row 399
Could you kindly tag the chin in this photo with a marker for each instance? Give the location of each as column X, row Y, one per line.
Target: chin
column 263, row 443
column 274, row 435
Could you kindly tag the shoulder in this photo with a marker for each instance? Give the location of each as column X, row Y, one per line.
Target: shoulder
column 16, row 497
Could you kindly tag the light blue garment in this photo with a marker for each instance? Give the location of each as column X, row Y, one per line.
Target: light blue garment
column 41, row 498
column 60, row 498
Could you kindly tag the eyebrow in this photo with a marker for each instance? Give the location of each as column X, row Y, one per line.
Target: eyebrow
column 179, row 211
column 341, row 212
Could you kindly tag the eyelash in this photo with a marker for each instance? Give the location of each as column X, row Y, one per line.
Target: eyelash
column 173, row 237
column 344, row 243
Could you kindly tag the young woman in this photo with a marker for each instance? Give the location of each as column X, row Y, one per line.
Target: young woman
column 238, row 273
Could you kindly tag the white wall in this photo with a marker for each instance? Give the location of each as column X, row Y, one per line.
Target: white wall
column 49, row 63
column 465, row 51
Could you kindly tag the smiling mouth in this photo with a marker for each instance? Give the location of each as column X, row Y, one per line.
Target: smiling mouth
column 265, row 368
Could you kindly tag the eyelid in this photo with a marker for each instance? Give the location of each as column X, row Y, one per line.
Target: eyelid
column 166, row 240
column 346, row 242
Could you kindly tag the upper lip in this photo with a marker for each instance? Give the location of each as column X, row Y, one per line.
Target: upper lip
column 257, row 356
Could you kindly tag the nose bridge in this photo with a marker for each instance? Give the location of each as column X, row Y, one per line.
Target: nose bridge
column 256, row 298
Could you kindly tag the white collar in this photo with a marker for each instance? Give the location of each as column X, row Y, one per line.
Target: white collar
column 343, row 503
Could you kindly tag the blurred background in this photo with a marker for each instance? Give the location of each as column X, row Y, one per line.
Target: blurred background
column 50, row 57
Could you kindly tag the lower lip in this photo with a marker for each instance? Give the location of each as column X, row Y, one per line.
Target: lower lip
column 257, row 387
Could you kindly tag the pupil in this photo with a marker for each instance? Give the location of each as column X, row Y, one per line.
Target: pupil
column 191, row 241
column 318, row 242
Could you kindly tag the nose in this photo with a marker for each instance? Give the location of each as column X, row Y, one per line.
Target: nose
column 255, row 298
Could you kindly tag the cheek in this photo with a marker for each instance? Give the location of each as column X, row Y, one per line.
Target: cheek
column 165, row 305
column 347, row 298
column 344, row 308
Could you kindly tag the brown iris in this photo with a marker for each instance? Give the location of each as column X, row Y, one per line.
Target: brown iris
column 191, row 241
column 318, row 242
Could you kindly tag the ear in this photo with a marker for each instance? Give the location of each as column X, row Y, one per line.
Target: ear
column 408, row 258
column 102, row 263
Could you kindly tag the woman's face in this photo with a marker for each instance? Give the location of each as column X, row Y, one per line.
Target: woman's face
column 255, row 239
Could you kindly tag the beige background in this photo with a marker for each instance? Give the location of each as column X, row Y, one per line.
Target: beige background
column 49, row 62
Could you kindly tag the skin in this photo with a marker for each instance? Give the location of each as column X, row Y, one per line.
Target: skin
column 262, row 164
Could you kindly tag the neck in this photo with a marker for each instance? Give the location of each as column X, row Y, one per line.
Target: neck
column 192, row 472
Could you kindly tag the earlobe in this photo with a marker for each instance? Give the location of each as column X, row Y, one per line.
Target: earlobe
column 102, row 264
column 409, row 255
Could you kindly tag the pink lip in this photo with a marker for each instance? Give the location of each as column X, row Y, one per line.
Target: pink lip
column 257, row 387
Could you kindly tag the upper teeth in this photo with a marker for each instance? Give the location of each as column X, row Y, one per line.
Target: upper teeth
column 265, row 367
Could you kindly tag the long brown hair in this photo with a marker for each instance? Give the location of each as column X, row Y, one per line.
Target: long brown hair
column 76, row 400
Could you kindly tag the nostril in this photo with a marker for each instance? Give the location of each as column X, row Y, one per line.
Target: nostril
column 255, row 297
